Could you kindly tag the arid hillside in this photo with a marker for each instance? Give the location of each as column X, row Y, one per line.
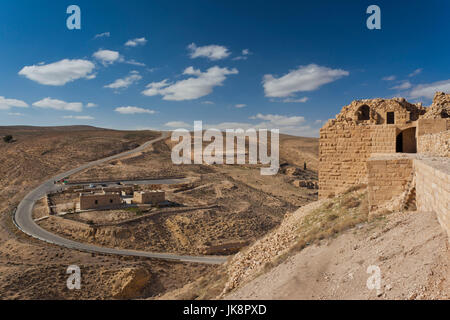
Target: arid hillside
column 328, row 249
column 31, row 269
column 223, row 205
column 298, row 150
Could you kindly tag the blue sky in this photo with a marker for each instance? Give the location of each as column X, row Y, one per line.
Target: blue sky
column 163, row 64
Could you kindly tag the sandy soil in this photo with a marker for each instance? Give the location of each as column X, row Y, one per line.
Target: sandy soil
column 31, row 269
column 411, row 250
column 248, row 205
column 242, row 213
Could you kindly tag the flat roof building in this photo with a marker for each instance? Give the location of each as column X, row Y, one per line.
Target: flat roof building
column 149, row 197
column 99, row 200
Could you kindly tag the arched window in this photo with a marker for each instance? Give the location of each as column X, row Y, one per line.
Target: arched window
column 363, row 113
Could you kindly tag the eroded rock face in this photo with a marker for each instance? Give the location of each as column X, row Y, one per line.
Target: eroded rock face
column 129, row 283
column 292, row 171
column 310, row 184
column 440, row 107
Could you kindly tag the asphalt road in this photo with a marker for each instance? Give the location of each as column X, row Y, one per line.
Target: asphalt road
column 24, row 221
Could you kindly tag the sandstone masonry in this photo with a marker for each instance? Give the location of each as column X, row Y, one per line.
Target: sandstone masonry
column 373, row 126
column 399, row 149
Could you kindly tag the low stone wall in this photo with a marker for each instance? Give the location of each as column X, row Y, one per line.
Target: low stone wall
column 436, row 144
column 433, row 188
column 388, row 176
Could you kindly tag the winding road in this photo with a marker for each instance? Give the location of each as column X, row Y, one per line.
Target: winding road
column 24, row 221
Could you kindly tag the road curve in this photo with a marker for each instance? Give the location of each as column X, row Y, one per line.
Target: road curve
column 24, row 221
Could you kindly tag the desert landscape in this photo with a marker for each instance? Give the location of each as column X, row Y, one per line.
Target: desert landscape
column 234, row 206
column 278, row 237
column 209, row 158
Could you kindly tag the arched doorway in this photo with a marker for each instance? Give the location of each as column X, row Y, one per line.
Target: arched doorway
column 363, row 113
column 406, row 141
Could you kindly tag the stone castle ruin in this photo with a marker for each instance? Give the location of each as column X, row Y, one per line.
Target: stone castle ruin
column 399, row 149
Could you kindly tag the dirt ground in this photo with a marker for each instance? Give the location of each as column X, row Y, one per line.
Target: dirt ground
column 31, row 269
column 410, row 249
column 248, row 205
column 333, row 240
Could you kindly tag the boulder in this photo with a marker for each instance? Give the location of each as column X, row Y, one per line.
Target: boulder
column 129, row 283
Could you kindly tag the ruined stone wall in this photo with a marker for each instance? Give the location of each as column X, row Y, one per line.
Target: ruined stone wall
column 388, row 177
column 372, row 126
column 344, row 150
column 440, row 108
column 433, row 188
column 437, row 144
column 427, row 126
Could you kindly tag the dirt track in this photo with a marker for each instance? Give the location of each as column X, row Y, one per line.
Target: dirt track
column 411, row 250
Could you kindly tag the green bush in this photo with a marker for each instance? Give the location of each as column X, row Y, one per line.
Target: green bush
column 8, row 138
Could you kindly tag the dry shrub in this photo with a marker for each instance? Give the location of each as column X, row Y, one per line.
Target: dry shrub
column 355, row 188
column 333, row 217
column 350, row 202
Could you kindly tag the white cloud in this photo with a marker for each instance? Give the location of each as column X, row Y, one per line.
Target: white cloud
column 294, row 125
column 305, row 78
column 136, row 42
column 79, row 117
column 403, row 85
column 428, row 90
column 212, row 52
column 6, row 104
column 133, row 110
column 107, row 57
column 101, row 35
column 201, row 84
column 49, row 103
column 245, row 53
column 208, row 102
column 15, row 114
column 230, row 125
column 125, row 82
column 91, row 105
column 300, row 100
column 279, row 120
column 241, row 105
column 415, row 72
column 177, row 124
column 59, row 73
column 135, row 63
column 389, row 78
